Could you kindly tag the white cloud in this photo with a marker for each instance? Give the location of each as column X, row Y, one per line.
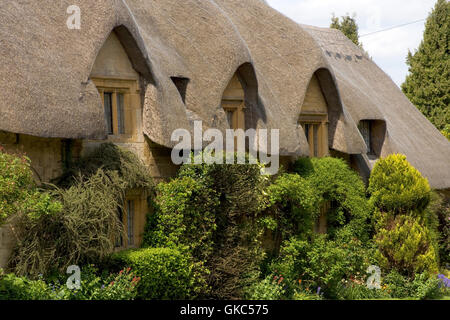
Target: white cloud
column 388, row 49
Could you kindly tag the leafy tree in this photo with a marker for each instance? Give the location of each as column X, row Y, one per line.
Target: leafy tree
column 347, row 24
column 428, row 82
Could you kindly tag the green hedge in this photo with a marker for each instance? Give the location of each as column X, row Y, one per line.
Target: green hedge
column 165, row 273
column 294, row 203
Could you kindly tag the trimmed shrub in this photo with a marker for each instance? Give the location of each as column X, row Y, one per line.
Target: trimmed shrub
column 396, row 186
column 405, row 245
column 446, row 131
column 165, row 273
column 407, row 236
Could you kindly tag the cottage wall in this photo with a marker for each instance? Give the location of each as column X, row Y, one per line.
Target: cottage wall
column 45, row 154
column 46, row 157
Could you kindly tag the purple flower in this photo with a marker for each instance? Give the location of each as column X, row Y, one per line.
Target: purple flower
column 444, row 279
column 318, row 290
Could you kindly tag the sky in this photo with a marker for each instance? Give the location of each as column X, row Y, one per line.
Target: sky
column 389, row 48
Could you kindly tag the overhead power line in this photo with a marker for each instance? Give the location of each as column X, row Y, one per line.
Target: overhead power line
column 390, row 28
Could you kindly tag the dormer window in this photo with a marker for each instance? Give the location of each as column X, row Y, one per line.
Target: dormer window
column 233, row 103
column 116, row 96
column 315, row 126
column 314, row 119
column 234, row 109
column 373, row 133
column 181, row 84
column 114, row 105
column 365, row 128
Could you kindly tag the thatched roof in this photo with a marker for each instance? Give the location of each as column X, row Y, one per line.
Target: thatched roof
column 45, row 88
column 369, row 93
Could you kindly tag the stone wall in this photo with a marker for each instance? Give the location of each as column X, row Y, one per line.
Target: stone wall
column 46, row 155
column 6, row 244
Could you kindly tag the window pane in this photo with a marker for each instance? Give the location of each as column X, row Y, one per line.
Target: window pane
column 306, row 128
column 316, row 140
column 364, row 128
column 108, row 112
column 120, row 113
column 230, row 118
column 130, row 221
column 119, row 240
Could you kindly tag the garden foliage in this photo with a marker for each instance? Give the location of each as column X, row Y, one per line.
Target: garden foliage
column 334, row 182
column 165, row 273
column 294, row 205
column 321, row 262
column 405, row 235
column 18, row 191
column 212, row 210
column 396, row 186
column 406, row 245
column 86, row 227
column 119, row 286
column 213, row 224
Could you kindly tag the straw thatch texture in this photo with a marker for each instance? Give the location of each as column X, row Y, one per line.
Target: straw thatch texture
column 45, row 88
